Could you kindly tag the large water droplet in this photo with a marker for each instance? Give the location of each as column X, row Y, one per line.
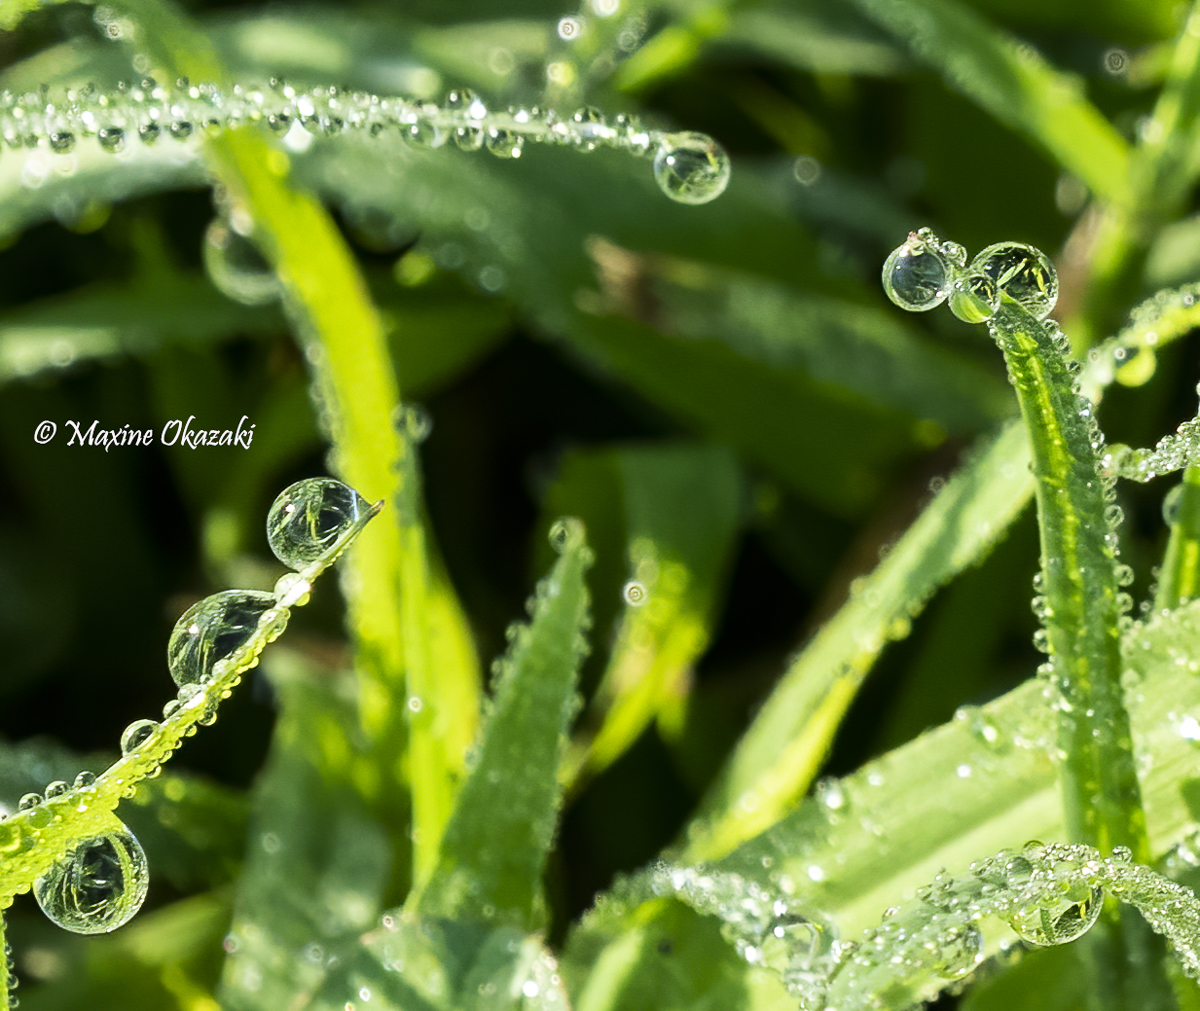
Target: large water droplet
column 691, row 168
column 1021, row 272
column 916, row 275
column 211, row 630
column 236, row 268
column 1062, row 919
column 98, row 886
column 309, row 521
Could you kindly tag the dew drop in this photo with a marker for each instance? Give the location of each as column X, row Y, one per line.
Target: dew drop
column 148, row 133
column 468, row 138
column 959, row 951
column 424, row 134
column 98, row 886
column 84, row 780
column 1114, row 515
column 691, row 168
column 1064, row 919
column 1021, row 272
column 111, row 138
column 1170, row 506
column 503, row 143
column 310, row 520
column 56, row 789
column 211, row 630
column 28, row 801
column 136, row 734
column 416, row 421
column 974, row 298
column 916, row 275
column 62, row 142
column 634, row 593
column 236, row 268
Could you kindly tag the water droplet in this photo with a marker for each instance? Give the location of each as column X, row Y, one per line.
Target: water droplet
column 974, row 298
column 468, row 138
column 148, row 133
column 98, row 886
column 503, row 143
column 424, row 134
column 56, row 789
column 1124, row 575
column 136, row 734
column 1021, row 272
column 84, row 780
column 416, row 422
column 292, row 589
column 1062, row 919
column 1170, row 506
column 959, row 951
column 560, row 534
column 634, row 593
column 467, row 102
column 111, row 138
column 62, row 142
column 211, row 630
column 916, row 275
column 236, row 268
column 1041, row 640
column 29, row 800
column 691, row 168
column 1114, row 515
column 309, row 521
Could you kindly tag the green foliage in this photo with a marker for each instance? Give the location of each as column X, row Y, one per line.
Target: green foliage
column 806, row 511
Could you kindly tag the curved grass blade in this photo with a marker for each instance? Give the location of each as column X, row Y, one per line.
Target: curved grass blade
column 493, row 853
column 1014, row 85
column 779, row 756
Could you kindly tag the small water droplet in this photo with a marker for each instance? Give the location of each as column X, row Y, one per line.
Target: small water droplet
column 98, row 886
column 634, row 593
column 561, row 534
column 959, row 951
column 29, row 800
column 211, row 630
column 62, row 142
column 974, row 297
column 1021, row 272
column 1170, row 506
column 111, row 138
column 136, row 734
column 1114, row 515
column 691, row 168
column 84, row 780
column 309, row 520
column 916, row 275
column 416, row 421
column 56, row 789
column 236, row 268
column 503, row 143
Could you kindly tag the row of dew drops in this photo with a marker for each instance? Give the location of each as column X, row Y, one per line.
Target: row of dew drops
column 689, row 167
column 1049, row 894
column 101, row 883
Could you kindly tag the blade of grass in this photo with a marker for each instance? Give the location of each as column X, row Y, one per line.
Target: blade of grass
column 1014, row 84
column 780, row 754
column 493, row 853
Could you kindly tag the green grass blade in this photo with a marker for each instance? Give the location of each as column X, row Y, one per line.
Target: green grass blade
column 1179, row 580
column 681, row 506
column 318, row 862
column 780, row 754
column 494, row 850
column 1100, row 788
column 1014, row 85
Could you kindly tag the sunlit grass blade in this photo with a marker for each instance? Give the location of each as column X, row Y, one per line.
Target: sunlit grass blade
column 780, row 754
column 1013, row 84
column 1179, row 580
column 681, row 507
column 493, row 853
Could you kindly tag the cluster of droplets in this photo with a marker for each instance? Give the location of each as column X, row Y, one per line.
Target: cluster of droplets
column 1048, row 894
column 766, row 929
column 689, row 167
column 100, row 883
column 926, row 271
